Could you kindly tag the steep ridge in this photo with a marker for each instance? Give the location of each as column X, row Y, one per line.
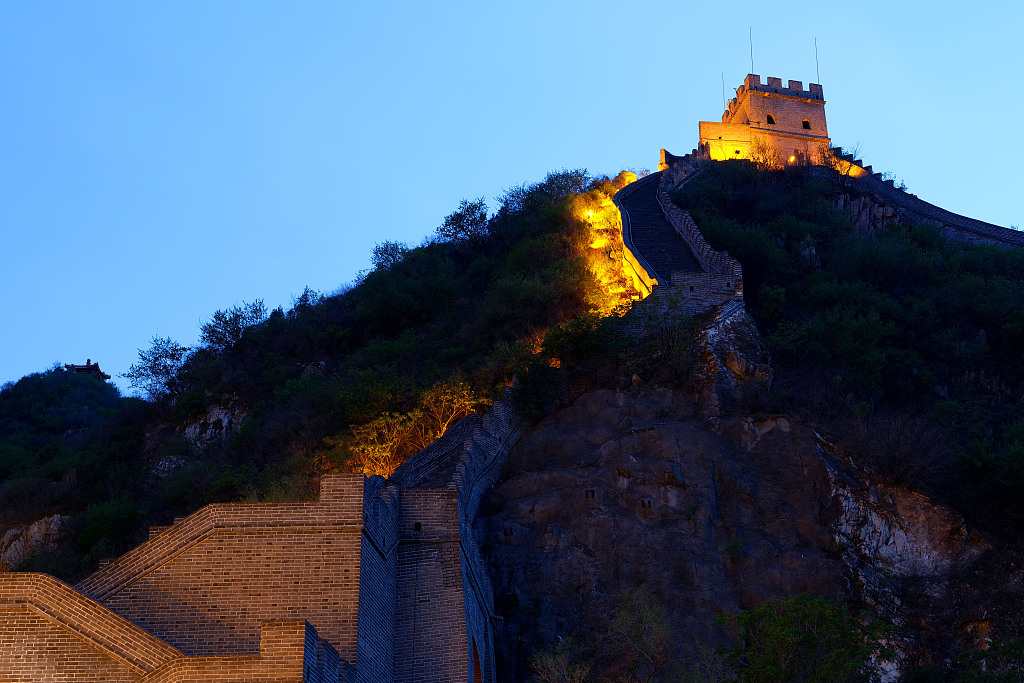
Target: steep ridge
column 650, row 233
column 962, row 227
column 911, row 209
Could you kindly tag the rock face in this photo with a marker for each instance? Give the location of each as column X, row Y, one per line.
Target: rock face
column 631, row 488
column 735, row 363
column 18, row 542
column 638, row 487
column 218, row 424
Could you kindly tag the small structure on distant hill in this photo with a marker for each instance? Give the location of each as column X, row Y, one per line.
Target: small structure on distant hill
column 770, row 123
column 89, row 368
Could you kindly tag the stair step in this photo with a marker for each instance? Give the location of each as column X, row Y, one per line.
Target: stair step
column 652, row 235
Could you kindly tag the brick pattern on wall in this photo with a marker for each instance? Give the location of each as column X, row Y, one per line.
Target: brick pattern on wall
column 33, row 648
column 89, row 621
column 283, row 658
column 343, row 508
column 207, row 583
column 212, row 599
column 462, row 465
column 375, row 649
column 430, row 628
column 50, row 632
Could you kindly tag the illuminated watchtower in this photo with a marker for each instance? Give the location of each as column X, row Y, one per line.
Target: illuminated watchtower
column 769, row 122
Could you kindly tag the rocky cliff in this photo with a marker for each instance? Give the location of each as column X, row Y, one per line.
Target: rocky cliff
column 713, row 508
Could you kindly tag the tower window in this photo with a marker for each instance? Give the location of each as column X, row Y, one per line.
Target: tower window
column 807, row 124
column 771, row 120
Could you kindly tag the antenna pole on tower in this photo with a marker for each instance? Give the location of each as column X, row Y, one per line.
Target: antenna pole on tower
column 817, row 68
column 750, row 34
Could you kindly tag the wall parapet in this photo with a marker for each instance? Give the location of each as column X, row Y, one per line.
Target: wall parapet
column 342, row 511
column 95, row 624
column 752, row 83
column 644, row 277
column 710, row 260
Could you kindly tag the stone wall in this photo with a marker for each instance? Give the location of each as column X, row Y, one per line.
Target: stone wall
column 746, row 118
column 207, row 583
column 51, row 632
column 440, row 565
column 720, row 280
column 378, row 576
column 912, row 210
column 430, row 627
column 634, row 264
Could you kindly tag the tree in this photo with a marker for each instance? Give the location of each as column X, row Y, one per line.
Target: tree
column 468, row 222
column 226, row 327
column 998, row 663
column 642, row 637
column 378, row 444
column 388, row 254
column 561, row 664
column 803, row 638
column 840, row 167
column 764, row 155
column 440, row 406
column 156, row 373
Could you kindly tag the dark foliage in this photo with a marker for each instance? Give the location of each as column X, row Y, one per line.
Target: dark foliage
column 905, row 344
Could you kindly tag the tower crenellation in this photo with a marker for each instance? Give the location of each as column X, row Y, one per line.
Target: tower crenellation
column 784, row 125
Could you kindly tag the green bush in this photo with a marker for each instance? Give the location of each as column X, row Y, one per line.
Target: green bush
column 803, row 638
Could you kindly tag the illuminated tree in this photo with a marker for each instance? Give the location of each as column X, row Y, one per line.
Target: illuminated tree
column 764, row 154
column 377, row 445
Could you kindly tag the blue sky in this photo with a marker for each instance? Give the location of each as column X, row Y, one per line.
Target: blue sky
column 160, row 161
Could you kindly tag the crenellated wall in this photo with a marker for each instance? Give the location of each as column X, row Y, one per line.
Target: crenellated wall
column 440, row 565
column 784, row 122
column 720, row 278
column 887, row 202
column 378, row 581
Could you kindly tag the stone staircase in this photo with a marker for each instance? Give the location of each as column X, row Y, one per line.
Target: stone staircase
column 651, row 234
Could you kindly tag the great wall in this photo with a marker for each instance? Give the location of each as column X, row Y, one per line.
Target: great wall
column 380, row 580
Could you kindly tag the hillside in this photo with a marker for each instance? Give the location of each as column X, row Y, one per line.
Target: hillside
column 667, row 462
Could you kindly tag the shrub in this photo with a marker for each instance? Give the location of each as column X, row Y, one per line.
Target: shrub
column 802, row 638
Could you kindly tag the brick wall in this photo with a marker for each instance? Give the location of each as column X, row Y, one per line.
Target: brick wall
column 442, row 556
column 50, row 632
column 430, row 626
column 375, row 648
column 634, row 265
column 32, row 648
column 207, row 583
column 287, row 654
column 710, row 260
column 746, row 118
column 48, row 626
column 913, row 210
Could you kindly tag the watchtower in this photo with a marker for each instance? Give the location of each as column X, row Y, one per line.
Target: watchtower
column 767, row 122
